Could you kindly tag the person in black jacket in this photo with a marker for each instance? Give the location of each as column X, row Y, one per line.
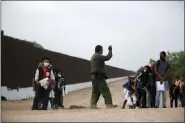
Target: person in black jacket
column 152, row 89
column 145, row 87
column 139, row 78
column 59, row 87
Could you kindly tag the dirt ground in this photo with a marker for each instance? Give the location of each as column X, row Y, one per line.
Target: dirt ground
column 13, row 111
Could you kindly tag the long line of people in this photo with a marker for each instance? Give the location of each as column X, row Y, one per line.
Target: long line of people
column 143, row 88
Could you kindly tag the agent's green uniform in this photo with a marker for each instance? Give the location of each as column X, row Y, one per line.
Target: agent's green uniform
column 98, row 79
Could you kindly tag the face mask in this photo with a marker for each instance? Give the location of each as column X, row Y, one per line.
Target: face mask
column 144, row 70
column 46, row 64
column 59, row 75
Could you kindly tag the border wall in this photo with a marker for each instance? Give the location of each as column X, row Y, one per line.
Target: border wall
column 20, row 59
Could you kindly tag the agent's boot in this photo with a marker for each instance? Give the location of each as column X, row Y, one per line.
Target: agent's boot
column 94, row 107
column 111, row 106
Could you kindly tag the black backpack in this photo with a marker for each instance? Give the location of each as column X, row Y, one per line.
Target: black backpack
column 158, row 64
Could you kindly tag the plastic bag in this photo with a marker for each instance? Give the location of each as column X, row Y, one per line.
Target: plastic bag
column 125, row 90
column 134, row 98
column 126, row 95
column 52, row 94
column 49, row 106
column 129, row 102
column 43, row 82
column 64, row 89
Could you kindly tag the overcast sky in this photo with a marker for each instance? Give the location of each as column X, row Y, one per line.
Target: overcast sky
column 137, row 30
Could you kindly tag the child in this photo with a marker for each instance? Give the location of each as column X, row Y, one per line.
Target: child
column 173, row 93
column 129, row 90
column 126, row 92
column 177, row 89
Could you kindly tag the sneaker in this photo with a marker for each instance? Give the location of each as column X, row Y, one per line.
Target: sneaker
column 164, row 106
column 123, row 107
column 111, row 106
column 156, row 107
column 134, row 106
column 94, row 107
column 143, row 106
column 34, row 109
column 43, row 109
column 61, row 107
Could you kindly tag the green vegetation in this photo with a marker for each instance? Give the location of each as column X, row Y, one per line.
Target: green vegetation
column 177, row 62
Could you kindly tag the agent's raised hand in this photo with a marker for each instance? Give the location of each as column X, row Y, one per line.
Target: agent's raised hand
column 110, row 47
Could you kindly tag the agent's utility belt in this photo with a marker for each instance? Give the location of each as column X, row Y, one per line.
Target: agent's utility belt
column 99, row 76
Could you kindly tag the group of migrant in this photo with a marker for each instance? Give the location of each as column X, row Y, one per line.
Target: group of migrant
column 49, row 86
column 141, row 91
column 135, row 96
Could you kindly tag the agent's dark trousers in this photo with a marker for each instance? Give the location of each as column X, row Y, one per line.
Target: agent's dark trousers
column 100, row 87
column 176, row 102
column 152, row 96
column 41, row 96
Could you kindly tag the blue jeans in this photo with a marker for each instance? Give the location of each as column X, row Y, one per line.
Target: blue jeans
column 158, row 93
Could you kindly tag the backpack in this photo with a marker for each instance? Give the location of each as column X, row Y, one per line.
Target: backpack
column 158, row 64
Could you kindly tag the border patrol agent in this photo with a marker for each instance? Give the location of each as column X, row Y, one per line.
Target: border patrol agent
column 98, row 76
